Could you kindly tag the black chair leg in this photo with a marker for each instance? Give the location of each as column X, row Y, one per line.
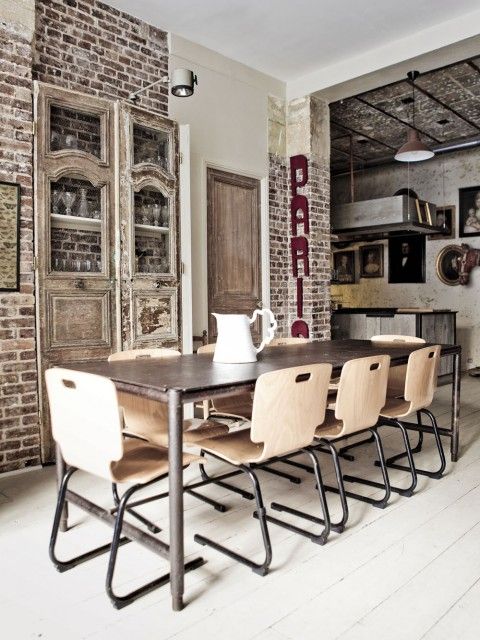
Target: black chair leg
column 424, row 472
column 282, row 474
column 416, row 449
column 408, row 492
column 260, row 568
column 226, row 485
column 66, row 565
column 382, row 502
column 343, row 451
column 122, row 601
column 150, row 525
column 338, row 526
column 320, row 538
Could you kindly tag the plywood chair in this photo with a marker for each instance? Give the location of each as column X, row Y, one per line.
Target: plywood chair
column 361, row 396
column 88, row 427
column 395, row 387
column 420, row 384
column 148, row 419
column 288, row 405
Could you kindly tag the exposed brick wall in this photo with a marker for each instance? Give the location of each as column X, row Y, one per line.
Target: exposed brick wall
column 85, row 46
column 88, row 46
column 316, row 288
column 19, row 429
column 278, row 202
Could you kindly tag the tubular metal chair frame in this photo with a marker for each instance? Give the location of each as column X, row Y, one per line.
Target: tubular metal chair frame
column 263, row 434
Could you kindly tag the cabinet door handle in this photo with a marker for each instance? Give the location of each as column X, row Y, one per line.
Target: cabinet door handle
column 79, row 284
column 157, row 284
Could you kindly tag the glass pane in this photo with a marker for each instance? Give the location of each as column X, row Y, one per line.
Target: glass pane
column 76, row 234
column 152, row 231
column 150, row 145
column 71, row 129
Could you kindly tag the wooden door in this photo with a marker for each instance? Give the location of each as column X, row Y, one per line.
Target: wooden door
column 233, row 246
column 149, row 222
column 74, row 233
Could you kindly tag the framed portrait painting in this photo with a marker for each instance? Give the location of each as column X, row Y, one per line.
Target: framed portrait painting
column 469, row 211
column 371, row 261
column 406, row 259
column 344, row 267
column 447, row 265
column 444, row 219
column 9, row 236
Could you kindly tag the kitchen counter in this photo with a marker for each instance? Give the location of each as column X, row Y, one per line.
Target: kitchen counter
column 433, row 325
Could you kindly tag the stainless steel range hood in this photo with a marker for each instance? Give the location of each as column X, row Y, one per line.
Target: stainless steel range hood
column 382, row 218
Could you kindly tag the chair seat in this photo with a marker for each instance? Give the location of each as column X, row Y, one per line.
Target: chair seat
column 396, row 408
column 331, row 427
column 236, row 447
column 193, row 431
column 239, row 407
column 143, row 462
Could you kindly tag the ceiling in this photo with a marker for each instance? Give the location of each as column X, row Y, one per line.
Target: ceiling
column 375, row 123
column 288, row 40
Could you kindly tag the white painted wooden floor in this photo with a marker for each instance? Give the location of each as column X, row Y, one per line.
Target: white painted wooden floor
column 410, row 571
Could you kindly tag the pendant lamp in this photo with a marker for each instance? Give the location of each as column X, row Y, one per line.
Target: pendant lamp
column 414, row 149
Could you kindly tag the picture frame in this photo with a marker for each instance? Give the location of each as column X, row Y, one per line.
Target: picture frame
column 406, row 259
column 446, row 264
column 445, row 218
column 469, row 212
column 343, row 267
column 9, row 236
column 371, row 261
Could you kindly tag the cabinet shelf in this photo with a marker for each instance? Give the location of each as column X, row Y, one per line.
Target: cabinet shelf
column 60, row 221
column 150, row 230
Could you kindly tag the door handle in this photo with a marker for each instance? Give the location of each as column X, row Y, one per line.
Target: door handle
column 259, row 304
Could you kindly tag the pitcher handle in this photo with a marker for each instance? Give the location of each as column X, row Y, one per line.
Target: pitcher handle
column 271, row 328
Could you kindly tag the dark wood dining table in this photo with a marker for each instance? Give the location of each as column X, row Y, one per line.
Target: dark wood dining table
column 192, row 378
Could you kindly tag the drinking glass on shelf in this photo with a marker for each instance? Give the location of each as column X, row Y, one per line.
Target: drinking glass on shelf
column 144, row 215
column 57, row 198
column 164, row 216
column 69, row 198
column 83, row 209
column 157, row 212
column 88, row 266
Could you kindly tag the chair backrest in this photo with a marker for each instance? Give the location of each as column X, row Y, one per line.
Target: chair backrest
column 288, row 405
column 86, row 419
column 421, row 378
column 229, row 406
column 397, row 338
column 143, row 417
column 143, row 354
column 287, row 342
column 397, row 375
column 207, row 348
column 362, row 392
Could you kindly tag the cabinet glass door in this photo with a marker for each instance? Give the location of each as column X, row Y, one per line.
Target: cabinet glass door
column 152, row 232
column 152, row 146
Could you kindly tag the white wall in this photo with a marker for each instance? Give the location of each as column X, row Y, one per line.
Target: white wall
column 438, row 181
column 228, row 118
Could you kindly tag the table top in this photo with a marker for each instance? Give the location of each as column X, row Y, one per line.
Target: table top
column 196, row 375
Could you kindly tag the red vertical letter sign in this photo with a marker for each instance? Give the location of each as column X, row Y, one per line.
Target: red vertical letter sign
column 299, row 203
column 299, row 250
column 299, row 215
column 298, row 165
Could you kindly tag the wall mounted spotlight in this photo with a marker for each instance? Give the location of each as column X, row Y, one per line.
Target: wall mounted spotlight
column 182, row 84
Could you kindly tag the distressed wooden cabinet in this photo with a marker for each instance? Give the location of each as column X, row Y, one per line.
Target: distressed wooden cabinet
column 106, row 231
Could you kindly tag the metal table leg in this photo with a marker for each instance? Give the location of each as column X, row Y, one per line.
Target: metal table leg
column 454, row 442
column 175, row 485
column 61, row 468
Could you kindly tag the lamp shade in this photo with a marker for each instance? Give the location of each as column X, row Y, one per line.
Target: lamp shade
column 413, row 150
column 183, row 83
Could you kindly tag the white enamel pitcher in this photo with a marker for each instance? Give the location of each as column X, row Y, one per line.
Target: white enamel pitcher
column 234, row 340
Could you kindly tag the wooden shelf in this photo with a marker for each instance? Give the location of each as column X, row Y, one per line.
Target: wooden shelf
column 60, row 221
column 150, row 230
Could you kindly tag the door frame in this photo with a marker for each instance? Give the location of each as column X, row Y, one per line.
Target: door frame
column 264, row 229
